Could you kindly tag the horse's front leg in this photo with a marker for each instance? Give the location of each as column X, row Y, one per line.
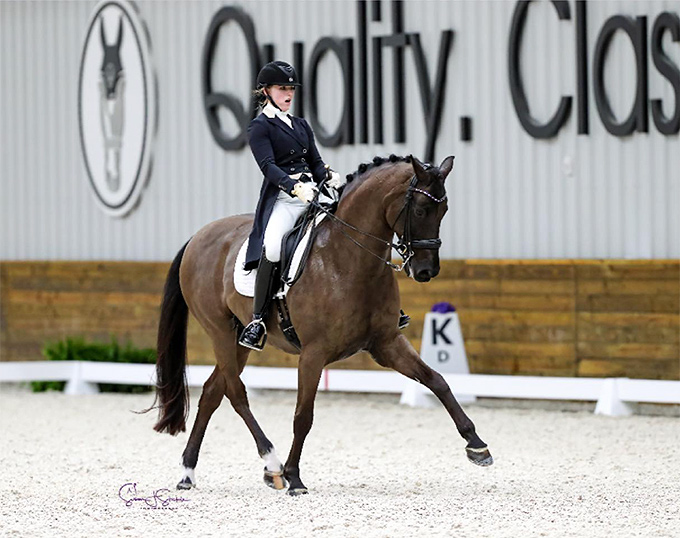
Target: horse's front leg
column 309, row 373
column 398, row 353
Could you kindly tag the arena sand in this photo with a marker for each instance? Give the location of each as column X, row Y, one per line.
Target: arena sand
column 373, row 468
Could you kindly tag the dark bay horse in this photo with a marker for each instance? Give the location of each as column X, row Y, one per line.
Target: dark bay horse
column 346, row 301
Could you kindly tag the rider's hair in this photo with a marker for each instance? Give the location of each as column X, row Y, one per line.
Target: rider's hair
column 260, row 96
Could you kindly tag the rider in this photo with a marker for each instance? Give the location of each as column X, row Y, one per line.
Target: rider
column 284, row 148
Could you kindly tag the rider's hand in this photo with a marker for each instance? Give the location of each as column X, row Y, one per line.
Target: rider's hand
column 335, row 180
column 304, row 191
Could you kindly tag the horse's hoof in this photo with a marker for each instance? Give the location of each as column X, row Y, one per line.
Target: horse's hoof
column 479, row 456
column 185, row 483
column 294, row 492
column 274, row 480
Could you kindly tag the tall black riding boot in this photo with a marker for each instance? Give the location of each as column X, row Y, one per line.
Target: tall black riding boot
column 254, row 335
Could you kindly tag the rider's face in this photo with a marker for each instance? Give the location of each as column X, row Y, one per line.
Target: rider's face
column 282, row 95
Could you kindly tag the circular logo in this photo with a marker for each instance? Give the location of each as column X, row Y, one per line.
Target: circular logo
column 117, row 106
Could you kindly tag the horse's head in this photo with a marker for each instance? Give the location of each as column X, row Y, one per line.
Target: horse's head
column 111, row 64
column 419, row 216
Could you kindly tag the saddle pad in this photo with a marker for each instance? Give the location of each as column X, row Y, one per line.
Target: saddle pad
column 244, row 281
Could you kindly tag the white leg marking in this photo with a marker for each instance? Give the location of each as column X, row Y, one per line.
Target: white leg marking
column 189, row 473
column 272, row 462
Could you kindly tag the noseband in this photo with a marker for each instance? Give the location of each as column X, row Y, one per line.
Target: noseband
column 406, row 244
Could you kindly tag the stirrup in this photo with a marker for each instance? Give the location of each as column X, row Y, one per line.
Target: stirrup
column 404, row 320
column 254, row 335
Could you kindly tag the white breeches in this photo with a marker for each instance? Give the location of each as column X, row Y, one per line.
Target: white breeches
column 285, row 213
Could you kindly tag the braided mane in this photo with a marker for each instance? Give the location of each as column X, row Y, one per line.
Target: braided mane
column 377, row 161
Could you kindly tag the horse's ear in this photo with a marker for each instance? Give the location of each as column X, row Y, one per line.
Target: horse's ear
column 102, row 32
column 446, row 166
column 120, row 33
column 418, row 168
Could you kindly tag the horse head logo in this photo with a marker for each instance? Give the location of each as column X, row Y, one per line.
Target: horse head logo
column 112, row 69
column 117, row 105
column 112, row 103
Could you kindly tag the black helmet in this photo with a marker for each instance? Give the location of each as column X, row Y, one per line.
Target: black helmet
column 277, row 72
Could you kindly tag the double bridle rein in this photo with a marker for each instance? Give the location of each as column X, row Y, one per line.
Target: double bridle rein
column 406, row 244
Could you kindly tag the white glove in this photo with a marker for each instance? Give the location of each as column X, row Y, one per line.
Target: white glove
column 305, row 191
column 335, row 180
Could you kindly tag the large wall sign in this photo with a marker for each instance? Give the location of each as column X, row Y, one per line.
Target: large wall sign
column 117, row 106
column 636, row 30
column 213, row 100
column 361, row 59
column 355, row 56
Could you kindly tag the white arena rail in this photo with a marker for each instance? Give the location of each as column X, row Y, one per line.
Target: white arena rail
column 610, row 394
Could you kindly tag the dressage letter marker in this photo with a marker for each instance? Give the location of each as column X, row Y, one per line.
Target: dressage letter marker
column 443, row 350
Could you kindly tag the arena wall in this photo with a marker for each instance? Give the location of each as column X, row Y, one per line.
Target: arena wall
column 562, row 240
column 599, row 318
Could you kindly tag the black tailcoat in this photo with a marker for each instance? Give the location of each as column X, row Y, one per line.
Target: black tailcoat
column 280, row 152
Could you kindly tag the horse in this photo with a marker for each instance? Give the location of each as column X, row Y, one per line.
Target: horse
column 349, row 266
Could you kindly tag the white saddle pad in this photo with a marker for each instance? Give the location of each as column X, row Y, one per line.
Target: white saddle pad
column 244, row 281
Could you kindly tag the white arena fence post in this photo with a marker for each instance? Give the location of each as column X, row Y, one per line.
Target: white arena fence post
column 77, row 385
column 443, row 350
column 610, row 402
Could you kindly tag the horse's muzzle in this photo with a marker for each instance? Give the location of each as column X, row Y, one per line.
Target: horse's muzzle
column 426, row 274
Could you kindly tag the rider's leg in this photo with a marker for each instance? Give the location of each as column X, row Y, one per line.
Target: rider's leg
column 254, row 335
column 284, row 214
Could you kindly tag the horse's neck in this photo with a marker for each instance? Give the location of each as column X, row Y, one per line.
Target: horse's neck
column 363, row 208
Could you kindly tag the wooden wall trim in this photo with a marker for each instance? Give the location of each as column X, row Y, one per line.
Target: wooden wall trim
column 530, row 317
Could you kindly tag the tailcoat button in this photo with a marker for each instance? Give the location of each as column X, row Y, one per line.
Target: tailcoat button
column 292, row 151
column 304, row 150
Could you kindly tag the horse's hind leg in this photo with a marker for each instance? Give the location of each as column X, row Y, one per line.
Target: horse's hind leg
column 225, row 380
column 213, row 392
column 236, row 392
column 397, row 353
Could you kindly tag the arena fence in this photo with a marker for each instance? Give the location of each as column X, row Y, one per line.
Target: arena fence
column 611, row 394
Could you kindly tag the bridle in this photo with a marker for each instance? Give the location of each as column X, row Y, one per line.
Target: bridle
column 406, row 245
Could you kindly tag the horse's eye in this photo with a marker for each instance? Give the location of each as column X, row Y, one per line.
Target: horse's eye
column 419, row 212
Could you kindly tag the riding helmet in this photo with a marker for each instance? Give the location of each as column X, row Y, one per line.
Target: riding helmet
column 277, row 72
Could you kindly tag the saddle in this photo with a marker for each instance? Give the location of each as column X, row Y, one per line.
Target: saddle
column 293, row 259
column 295, row 248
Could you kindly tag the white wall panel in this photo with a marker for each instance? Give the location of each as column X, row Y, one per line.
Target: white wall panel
column 572, row 196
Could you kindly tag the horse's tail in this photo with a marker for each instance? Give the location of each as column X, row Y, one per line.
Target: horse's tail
column 171, row 379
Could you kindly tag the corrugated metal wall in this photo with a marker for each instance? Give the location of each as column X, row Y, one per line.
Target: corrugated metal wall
column 576, row 196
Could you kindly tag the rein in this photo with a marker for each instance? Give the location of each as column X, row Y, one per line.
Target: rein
column 406, row 245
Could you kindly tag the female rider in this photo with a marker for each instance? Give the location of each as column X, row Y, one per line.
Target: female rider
column 284, row 148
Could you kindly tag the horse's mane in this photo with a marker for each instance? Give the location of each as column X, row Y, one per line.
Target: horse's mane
column 377, row 161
